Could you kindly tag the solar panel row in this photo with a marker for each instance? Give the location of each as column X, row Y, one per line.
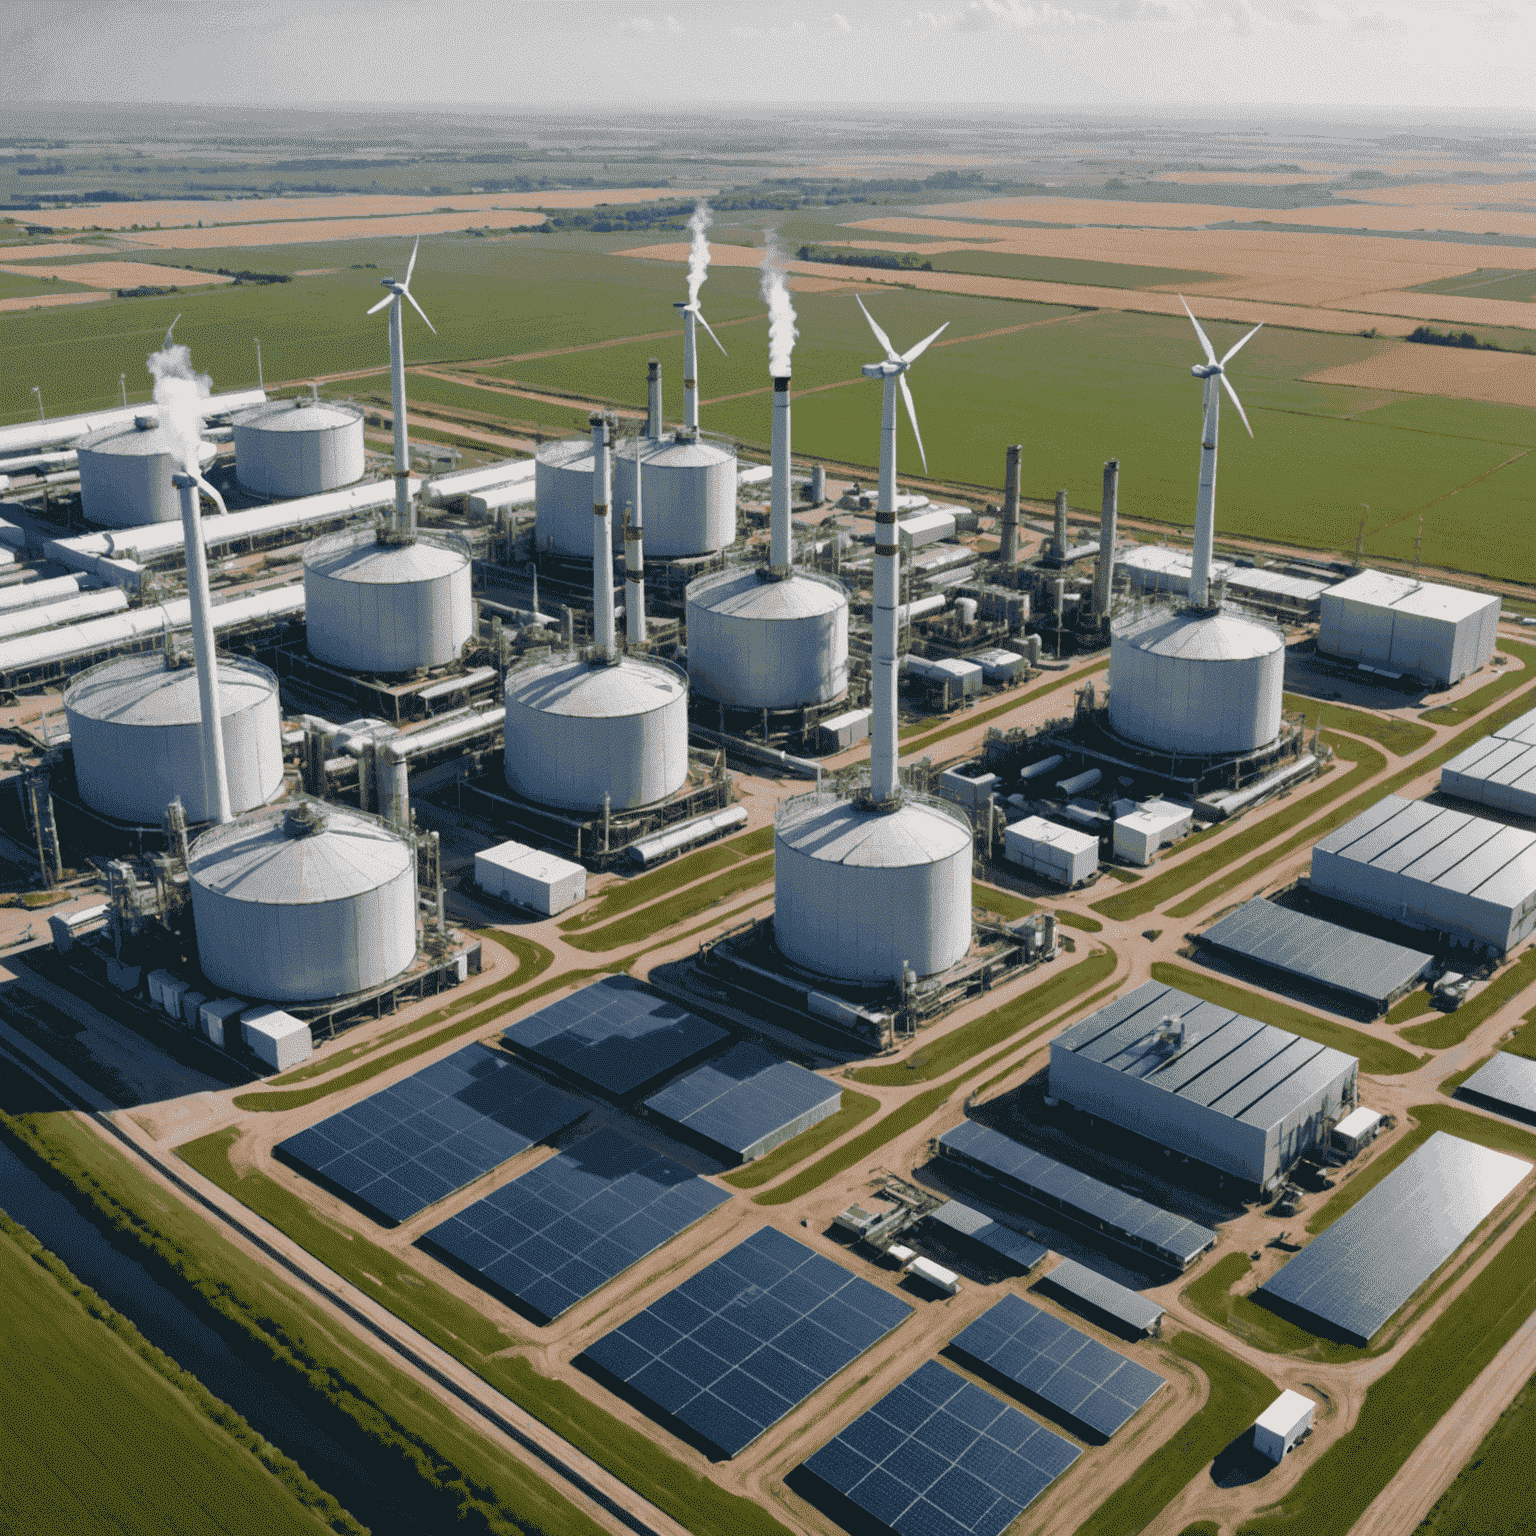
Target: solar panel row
column 402, row 1149
column 1097, row 1385
column 1505, row 1083
column 1079, row 1283
column 955, row 1219
column 743, row 1342
column 940, row 1456
column 567, row 1227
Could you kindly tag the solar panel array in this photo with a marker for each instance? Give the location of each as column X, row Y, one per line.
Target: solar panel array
column 1120, row 1302
column 955, row 1219
column 1097, row 1385
column 1357, row 1273
column 1356, row 964
column 747, row 1339
column 615, row 1035
column 570, row 1225
column 1171, row 1238
column 940, row 1456
column 747, row 1100
column 400, row 1150
column 1506, row 1083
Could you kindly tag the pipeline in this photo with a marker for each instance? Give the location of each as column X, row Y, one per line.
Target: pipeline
column 800, row 767
column 31, row 435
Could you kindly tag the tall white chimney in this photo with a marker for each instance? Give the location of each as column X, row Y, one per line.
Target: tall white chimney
column 215, row 777
column 690, row 368
column 779, row 527
column 602, row 539
column 653, row 399
column 634, row 560
column 884, row 780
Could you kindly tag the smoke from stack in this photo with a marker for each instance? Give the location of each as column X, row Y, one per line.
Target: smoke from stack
column 698, row 250
column 782, row 330
column 179, row 391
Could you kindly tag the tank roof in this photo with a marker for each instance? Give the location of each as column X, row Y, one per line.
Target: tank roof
column 573, row 453
column 749, row 593
column 141, row 690
column 840, row 831
column 674, row 453
column 1217, row 636
column 359, row 556
column 137, row 442
column 261, row 859
column 300, row 414
column 594, row 690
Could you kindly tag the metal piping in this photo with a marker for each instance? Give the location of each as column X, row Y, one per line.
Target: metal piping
column 216, row 779
column 884, row 781
column 653, row 397
column 634, row 560
column 31, row 435
column 780, row 547
column 1008, row 549
column 1104, row 573
column 602, row 539
column 1205, row 502
column 690, row 369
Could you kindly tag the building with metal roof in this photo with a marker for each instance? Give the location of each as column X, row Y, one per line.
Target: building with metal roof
column 1433, row 868
column 1506, row 1084
column 1494, row 772
column 1243, row 1097
column 1359, row 965
column 1096, row 1293
column 1419, row 628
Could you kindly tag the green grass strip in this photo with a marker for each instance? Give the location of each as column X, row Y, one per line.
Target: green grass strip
column 1239, row 1394
column 1201, row 1528
column 1413, row 1006
column 856, row 1108
column 1523, row 1041
column 1211, row 1296
column 1491, row 1485
column 1154, row 892
column 1399, row 737
column 1077, row 920
column 688, row 903
column 1004, row 903
column 1378, row 1057
column 968, row 721
column 1454, row 1027
column 1431, row 1118
column 1489, row 693
column 1410, row 1399
column 991, row 1029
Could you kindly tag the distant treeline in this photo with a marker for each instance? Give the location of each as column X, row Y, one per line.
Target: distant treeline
column 144, row 291
column 894, row 261
column 1431, row 337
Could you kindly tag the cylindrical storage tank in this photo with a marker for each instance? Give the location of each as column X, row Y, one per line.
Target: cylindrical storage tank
column 302, row 904
column 562, row 498
column 858, row 892
column 577, row 730
column 372, row 604
column 1196, row 684
column 758, row 643
column 125, row 475
column 300, row 447
column 689, row 489
column 135, row 729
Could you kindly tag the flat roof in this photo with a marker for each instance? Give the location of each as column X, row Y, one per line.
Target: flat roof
column 1357, row 1122
column 1509, row 762
column 1354, row 963
column 1523, row 729
column 1250, row 1072
column 1037, row 829
column 1506, row 1083
column 1108, row 1296
column 1285, row 1413
column 957, row 1217
column 1426, row 599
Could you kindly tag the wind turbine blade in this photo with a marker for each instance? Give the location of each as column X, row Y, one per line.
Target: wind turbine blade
column 712, row 336
column 1243, row 343
column 213, row 495
column 1205, row 341
column 388, row 298
column 411, row 265
column 1226, row 384
column 420, row 311
column 171, row 327
column 906, row 395
column 922, row 346
column 880, row 336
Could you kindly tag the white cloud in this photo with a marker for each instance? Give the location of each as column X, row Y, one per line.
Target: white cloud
column 841, row 22
column 795, row 29
column 648, row 26
column 999, row 16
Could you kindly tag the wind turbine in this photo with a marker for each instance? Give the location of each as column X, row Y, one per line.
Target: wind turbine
column 884, row 783
column 691, row 311
column 405, row 521
column 1210, row 371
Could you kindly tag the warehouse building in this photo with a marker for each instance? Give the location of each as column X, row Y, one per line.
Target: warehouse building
column 1240, row 1096
column 1433, row 868
column 1411, row 628
column 1499, row 770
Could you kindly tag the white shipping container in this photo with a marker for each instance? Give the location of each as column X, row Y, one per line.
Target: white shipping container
column 936, row 1275
column 926, row 527
column 1140, row 834
column 970, row 789
column 172, row 991
column 842, row 731
column 1057, row 853
column 1282, row 1424
column 157, row 981
column 191, row 1008
column 530, row 878
column 277, row 1038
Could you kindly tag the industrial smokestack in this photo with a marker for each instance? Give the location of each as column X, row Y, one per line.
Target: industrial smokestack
column 653, row 396
column 779, row 525
column 215, row 777
column 690, row 369
column 1008, row 551
column 1059, row 538
column 1103, row 577
column 884, row 780
column 602, row 540
column 634, row 561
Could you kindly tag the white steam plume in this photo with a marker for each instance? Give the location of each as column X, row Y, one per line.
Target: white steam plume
column 178, row 391
column 698, row 251
column 782, row 330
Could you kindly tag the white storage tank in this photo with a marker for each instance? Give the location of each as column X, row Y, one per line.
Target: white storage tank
column 125, row 475
column 860, row 892
column 755, row 642
column 689, row 488
column 374, row 603
column 577, row 730
column 1196, row 684
column 303, row 903
column 135, row 729
column 300, row 447
column 562, row 495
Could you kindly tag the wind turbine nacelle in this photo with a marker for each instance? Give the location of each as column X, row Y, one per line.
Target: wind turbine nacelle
column 1205, row 370
column 874, row 370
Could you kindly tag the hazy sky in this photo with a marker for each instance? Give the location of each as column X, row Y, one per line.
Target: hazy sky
column 1431, row 56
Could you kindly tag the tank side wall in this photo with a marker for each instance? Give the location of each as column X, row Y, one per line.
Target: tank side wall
column 768, row 663
column 563, row 510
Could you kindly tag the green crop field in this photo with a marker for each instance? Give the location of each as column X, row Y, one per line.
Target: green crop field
column 1494, row 1488
column 1066, row 269
column 15, row 285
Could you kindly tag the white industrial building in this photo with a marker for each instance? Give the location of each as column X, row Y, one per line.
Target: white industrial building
column 1059, row 854
column 1139, row 834
column 275, row 1037
column 1281, row 1426
column 1499, row 770
column 530, row 877
column 1435, row 869
column 1243, row 1097
column 299, row 447
column 1419, row 628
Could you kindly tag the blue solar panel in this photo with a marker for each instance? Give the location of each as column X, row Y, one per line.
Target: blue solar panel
column 940, row 1456
column 570, row 1225
column 401, row 1150
column 616, row 1035
column 1062, row 1366
column 745, row 1097
column 747, row 1339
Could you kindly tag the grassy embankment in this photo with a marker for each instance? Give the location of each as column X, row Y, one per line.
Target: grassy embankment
column 687, row 903
column 1399, row 737
column 104, row 1431
column 1452, row 1028
column 1489, row 694
column 1211, row 1296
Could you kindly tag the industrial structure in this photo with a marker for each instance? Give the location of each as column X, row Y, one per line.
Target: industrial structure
column 1407, row 628
column 298, row 447
column 1499, row 771
column 125, row 474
